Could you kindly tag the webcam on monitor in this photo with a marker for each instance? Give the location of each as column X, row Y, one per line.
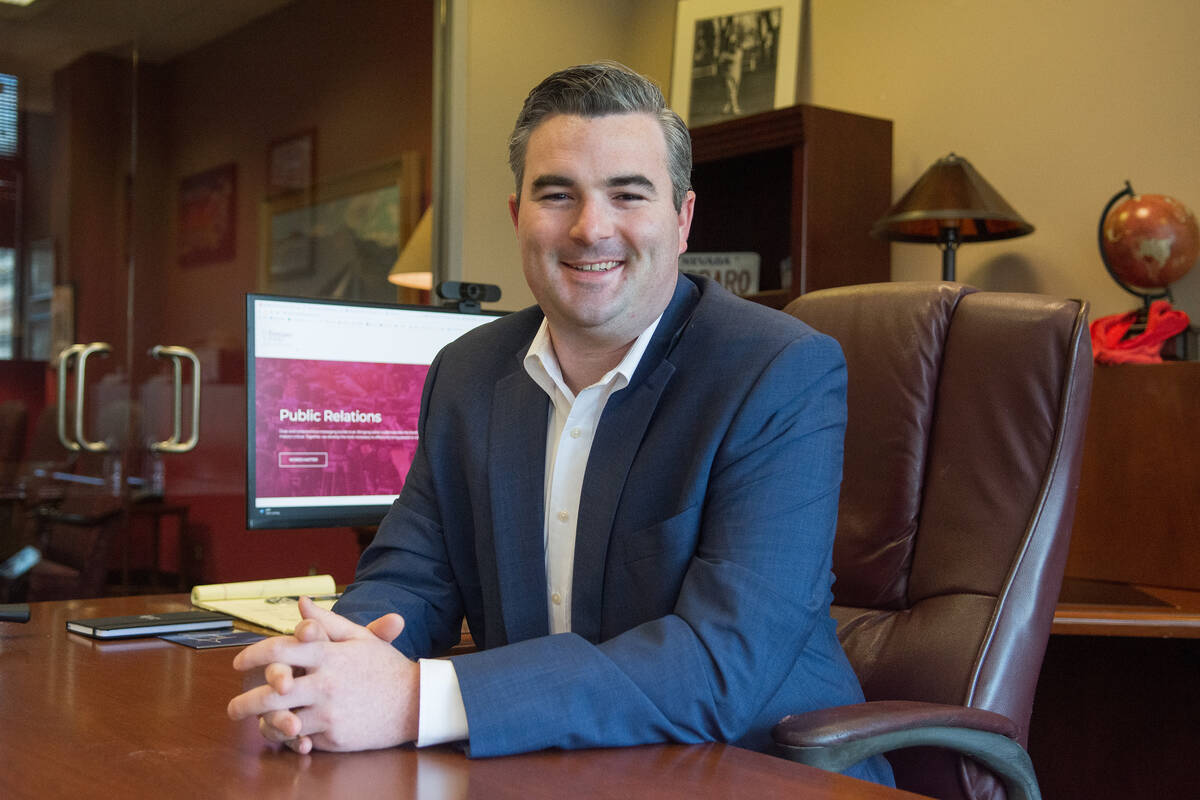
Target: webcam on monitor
column 467, row 296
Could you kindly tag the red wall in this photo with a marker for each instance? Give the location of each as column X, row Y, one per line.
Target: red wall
column 359, row 72
column 24, row 381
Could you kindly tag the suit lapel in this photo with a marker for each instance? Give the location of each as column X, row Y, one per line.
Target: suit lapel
column 516, row 469
column 618, row 438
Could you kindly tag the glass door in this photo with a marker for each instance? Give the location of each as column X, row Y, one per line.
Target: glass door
column 191, row 154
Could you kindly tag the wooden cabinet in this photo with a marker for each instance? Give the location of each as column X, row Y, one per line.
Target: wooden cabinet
column 800, row 186
column 1138, row 515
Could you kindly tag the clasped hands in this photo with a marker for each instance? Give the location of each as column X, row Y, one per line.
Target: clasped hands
column 332, row 685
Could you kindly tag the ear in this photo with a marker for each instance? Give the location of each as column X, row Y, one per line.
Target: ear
column 513, row 208
column 685, row 219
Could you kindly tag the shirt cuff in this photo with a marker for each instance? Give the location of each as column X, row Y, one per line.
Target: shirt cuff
column 443, row 717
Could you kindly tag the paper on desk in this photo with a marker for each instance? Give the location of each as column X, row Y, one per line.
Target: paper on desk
column 248, row 599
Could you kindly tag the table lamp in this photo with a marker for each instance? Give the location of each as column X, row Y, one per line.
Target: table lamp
column 951, row 203
column 414, row 267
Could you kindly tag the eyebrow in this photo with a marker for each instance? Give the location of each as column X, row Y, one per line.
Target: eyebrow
column 631, row 180
column 543, row 181
column 617, row 181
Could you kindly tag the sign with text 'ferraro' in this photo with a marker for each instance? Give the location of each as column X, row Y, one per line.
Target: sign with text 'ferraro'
column 737, row 272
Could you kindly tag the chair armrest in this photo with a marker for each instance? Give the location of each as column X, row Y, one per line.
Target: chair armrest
column 829, row 726
column 837, row 738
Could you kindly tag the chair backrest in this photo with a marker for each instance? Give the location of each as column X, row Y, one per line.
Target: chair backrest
column 75, row 535
column 45, row 454
column 963, row 443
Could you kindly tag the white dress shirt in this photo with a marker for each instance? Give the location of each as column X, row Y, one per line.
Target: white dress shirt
column 570, row 429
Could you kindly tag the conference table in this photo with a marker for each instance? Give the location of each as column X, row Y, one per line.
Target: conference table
column 145, row 717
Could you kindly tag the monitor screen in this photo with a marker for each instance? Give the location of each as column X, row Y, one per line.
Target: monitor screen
column 333, row 394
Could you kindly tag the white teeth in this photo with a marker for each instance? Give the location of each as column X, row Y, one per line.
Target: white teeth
column 603, row 266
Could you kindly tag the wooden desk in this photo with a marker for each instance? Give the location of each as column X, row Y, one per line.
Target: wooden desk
column 144, row 717
column 1115, row 712
column 1116, row 609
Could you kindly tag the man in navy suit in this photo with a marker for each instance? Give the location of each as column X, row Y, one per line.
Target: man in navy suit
column 628, row 490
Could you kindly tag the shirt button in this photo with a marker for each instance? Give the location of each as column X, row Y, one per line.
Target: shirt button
column 563, row 516
column 576, row 433
column 556, row 598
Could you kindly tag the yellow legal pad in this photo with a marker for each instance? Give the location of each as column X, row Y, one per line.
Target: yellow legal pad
column 269, row 603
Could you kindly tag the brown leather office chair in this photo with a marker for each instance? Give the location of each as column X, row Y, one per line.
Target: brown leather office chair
column 76, row 516
column 966, row 423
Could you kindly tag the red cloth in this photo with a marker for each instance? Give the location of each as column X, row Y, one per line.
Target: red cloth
column 1109, row 345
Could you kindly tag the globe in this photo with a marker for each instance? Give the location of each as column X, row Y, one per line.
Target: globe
column 1149, row 240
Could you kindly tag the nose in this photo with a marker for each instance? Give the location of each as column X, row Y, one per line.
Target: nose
column 593, row 222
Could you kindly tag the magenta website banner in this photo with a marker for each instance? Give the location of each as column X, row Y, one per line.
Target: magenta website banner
column 334, row 428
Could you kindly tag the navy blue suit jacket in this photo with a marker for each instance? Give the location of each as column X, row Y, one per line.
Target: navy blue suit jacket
column 701, row 586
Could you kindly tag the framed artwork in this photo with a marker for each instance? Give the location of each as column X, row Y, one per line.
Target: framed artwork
column 734, row 57
column 341, row 239
column 292, row 163
column 208, row 216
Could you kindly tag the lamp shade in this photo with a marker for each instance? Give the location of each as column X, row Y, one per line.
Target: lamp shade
column 951, row 194
column 414, row 267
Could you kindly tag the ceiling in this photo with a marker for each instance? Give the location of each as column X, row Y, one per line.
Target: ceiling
column 38, row 39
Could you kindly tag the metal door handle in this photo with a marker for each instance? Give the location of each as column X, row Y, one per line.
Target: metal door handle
column 64, row 363
column 175, row 353
column 103, row 348
column 82, row 352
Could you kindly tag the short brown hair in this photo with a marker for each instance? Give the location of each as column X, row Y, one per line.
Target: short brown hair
column 597, row 90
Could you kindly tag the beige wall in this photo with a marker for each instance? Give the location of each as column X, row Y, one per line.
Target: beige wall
column 511, row 46
column 1056, row 104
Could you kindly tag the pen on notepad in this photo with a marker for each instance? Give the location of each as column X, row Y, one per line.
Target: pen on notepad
column 292, row 598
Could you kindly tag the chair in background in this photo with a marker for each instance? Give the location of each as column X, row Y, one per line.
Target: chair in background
column 13, row 419
column 75, row 534
column 33, row 486
column 62, row 506
column 39, row 474
column 966, row 419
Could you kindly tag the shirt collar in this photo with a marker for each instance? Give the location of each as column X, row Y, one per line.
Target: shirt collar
column 542, row 365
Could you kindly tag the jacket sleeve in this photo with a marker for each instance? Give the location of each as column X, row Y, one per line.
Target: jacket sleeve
column 406, row 568
column 752, row 594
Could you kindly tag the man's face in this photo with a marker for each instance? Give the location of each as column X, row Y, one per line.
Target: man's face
column 600, row 238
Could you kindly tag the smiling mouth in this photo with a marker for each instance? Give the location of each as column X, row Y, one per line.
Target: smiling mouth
column 599, row 266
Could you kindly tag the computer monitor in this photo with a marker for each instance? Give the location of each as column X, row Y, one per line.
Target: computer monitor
column 333, row 392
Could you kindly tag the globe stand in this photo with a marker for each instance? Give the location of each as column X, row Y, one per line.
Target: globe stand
column 1146, row 296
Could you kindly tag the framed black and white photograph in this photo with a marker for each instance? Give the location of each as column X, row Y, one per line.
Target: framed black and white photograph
column 734, row 57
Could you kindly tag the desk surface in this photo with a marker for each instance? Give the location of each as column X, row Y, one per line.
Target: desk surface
column 1119, row 609
column 144, row 717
